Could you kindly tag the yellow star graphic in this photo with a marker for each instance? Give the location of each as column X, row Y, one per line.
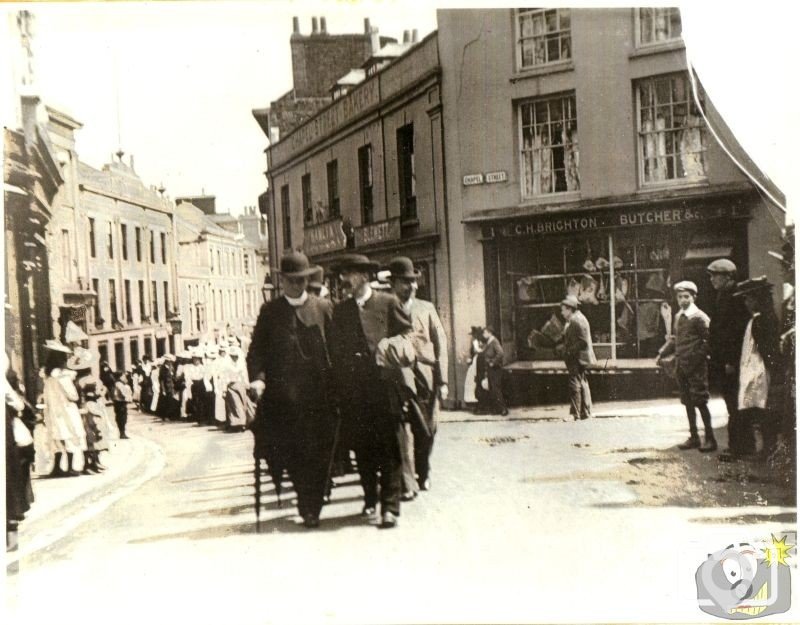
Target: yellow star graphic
column 780, row 549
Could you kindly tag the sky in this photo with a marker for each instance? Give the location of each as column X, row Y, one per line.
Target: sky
column 174, row 84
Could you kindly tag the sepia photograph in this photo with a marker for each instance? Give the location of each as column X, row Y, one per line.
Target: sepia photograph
column 383, row 311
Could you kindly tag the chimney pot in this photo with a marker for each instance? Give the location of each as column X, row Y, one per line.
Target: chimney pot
column 323, row 26
column 366, row 26
column 296, row 25
column 314, row 26
column 406, row 36
column 414, row 35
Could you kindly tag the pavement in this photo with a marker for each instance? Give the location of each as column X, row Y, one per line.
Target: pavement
column 530, row 519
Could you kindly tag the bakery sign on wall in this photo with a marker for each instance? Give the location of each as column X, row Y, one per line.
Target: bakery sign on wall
column 491, row 177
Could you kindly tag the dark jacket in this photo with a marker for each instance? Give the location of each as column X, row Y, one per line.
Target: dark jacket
column 578, row 349
column 767, row 339
column 493, row 354
column 354, row 337
column 728, row 321
column 689, row 342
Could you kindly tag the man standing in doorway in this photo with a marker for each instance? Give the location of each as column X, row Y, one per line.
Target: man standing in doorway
column 428, row 330
column 729, row 317
column 289, row 368
column 578, row 355
column 494, row 357
column 371, row 428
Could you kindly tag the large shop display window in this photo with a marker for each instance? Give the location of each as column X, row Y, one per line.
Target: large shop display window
column 622, row 279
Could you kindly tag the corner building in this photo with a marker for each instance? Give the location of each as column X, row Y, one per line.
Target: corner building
column 579, row 161
column 366, row 173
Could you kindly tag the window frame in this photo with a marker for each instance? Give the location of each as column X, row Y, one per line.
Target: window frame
column 406, row 172
column 110, row 242
column 138, row 235
column 518, row 36
column 640, row 157
column 307, row 203
column 365, row 174
column 92, row 238
column 638, row 26
column 123, row 228
column 521, row 151
column 286, row 217
column 334, row 202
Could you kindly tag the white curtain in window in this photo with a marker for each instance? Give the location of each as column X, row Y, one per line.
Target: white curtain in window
column 691, row 149
column 655, row 150
column 569, row 139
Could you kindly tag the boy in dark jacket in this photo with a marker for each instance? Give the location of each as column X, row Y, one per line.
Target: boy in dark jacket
column 690, row 345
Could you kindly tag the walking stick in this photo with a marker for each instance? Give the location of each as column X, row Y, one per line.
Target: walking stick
column 258, row 493
column 332, row 459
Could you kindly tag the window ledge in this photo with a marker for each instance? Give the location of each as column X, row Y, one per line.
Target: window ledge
column 410, row 222
column 657, row 48
column 669, row 186
column 551, row 198
column 541, row 70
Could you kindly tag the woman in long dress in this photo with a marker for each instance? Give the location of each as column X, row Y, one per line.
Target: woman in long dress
column 472, row 371
column 62, row 419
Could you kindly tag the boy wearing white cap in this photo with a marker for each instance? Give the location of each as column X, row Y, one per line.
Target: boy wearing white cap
column 691, row 348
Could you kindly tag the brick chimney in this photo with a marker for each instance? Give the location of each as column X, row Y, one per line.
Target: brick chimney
column 295, row 25
column 314, row 26
column 323, row 26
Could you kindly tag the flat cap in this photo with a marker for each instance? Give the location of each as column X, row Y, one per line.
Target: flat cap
column 686, row 285
column 721, row 265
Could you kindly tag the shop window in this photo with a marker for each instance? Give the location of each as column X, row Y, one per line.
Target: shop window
column 161, row 347
column 549, row 150
column 333, row 189
column 287, row 217
column 658, row 24
column 365, row 183
column 543, row 36
column 308, row 207
column 119, row 355
column 406, row 172
column 672, row 135
column 623, row 281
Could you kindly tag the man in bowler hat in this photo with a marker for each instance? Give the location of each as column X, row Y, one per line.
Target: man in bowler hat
column 289, row 368
column 429, row 331
column 371, row 428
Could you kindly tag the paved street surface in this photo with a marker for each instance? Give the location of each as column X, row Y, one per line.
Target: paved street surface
column 529, row 519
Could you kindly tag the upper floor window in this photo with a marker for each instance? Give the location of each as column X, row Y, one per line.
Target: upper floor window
column 164, row 248
column 672, row 136
column 549, row 146
column 92, row 235
column 656, row 25
column 308, row 207
column 110, row 240
column 138, row 234
column 333, row 189
column 153, row 247
column 406, row 172
column 124, row 237
column 287, row 217
column 365, row 182
column 544, row 36
column 246, row 261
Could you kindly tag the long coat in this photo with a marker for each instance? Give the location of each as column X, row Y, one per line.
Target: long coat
column 427, row 325
column 728, row 320
column 288, row 352
column 355, row 334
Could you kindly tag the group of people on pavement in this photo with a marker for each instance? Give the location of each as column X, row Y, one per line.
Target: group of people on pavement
column 364, row 374
column 484, row 380
column 746, row 351
column 207, row 384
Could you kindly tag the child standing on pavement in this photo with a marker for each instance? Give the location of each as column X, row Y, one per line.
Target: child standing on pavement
column 690, row 346
column 122, row 395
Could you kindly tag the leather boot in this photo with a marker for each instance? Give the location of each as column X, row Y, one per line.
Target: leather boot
column 709, row 445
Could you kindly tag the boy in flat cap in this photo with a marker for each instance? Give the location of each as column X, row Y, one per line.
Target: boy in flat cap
column 691, row 349
column 728, row 320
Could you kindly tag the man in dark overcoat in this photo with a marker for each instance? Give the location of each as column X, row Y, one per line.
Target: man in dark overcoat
column 729, row 318
column 371, row 426
column 289, row 368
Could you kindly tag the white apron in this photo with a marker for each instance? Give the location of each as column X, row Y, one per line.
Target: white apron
column 753, row 375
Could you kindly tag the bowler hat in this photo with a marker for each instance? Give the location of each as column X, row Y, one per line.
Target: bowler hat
column 721, row 265
column 476, row 331
column 402, row 267
column 295, row 265
column 752, row 285
column 571, row 302
column 356, row 261
column 315, row 281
